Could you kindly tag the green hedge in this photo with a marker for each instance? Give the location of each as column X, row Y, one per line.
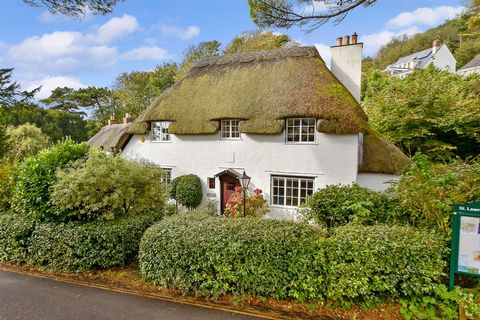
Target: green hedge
column 212, row 256
column 374, row 263
column 15, row 232
column 72, row 246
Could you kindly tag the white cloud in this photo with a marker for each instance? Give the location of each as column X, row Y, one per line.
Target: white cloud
column 424, row 16
column 325, row 52
column 373, row 42
column 117, row 28
column 316, row 7
column 146, row 53
column 182, row 33
column 61, row 51
column 49, row 83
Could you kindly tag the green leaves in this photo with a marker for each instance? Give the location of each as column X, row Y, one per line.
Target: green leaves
column 212, row 256
column 430, row 111
column 189, row 191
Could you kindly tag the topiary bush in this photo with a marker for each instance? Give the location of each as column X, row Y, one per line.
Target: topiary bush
column 86, row 246
column 212, row 256
column 36, row 175
column 336, row 205
column 374, row 263
column 189, row 191
column 106, row 187
column 15, row 233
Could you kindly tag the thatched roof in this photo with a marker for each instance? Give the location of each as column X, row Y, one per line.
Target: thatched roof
column 262, row 88
column 381, row 156
column 111, row 137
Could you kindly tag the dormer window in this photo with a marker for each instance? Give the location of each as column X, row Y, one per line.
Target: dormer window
column 229, row 129
column 300, row 130
column 160, row 131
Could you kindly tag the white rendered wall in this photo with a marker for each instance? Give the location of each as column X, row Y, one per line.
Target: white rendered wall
column 346, row 65
column 376, row 181
column 469, row 71
column 444, row 60
column 331, row 160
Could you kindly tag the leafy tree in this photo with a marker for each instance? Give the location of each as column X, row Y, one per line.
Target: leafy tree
column 4, row 142
column 195, row 53
column 75, row 8
column 27, row 140
column 37, row 174
column 135, row 91
column 107, row 186
column 55, row 124
column 258, row 40
column 10, row 92
column 311, row 13
column 61, row 99
column 430, row 111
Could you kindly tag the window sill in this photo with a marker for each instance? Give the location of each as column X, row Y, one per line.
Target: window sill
column 160, row 141
column 301, row 143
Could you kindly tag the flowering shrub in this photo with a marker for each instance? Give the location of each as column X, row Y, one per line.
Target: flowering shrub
column 256, row 205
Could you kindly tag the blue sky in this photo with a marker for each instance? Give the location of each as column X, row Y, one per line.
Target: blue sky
column 58, row 51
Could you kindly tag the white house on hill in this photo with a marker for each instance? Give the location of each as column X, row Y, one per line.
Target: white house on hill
column 438, row 55
column 281, row 116
column 473, row 66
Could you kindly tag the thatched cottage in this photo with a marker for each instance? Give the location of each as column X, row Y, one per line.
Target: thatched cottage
column 281, row 116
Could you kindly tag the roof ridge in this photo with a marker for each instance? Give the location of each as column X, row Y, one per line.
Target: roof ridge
column 256, row 56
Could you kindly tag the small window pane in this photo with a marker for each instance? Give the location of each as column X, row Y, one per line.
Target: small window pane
column 291, row 191
column 230, row 129
column 300, row 130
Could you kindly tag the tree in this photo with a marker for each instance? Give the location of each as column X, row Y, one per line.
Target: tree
column 107, row 186
column 75, row 8
column 10, row 92
column 61, row 99
column 312, row 13
column 195, row 53
column 430, row 111
column 258, row 40
column 27, row 140
column 136, row 90
column 4, row 142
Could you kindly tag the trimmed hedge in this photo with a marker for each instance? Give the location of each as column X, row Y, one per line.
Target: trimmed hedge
column 15, row 232
column 211, row 256
column 73, row 246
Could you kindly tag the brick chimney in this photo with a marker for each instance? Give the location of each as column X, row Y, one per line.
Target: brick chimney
column 346, row 63
column 437, row 43
column 112, row 120
column 128, row 118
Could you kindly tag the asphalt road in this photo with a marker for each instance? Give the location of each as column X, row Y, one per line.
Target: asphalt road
column 25, row 297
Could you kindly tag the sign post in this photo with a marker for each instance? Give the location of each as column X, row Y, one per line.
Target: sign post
column 465, row 259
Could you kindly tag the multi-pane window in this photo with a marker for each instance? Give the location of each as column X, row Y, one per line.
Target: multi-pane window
column 160, row 131
column 166, row 175
column 229, row 129
column 300, row 130
column 291, row 191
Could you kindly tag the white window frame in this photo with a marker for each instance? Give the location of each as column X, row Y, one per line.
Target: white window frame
column 166, row 175
column 303, row 183
column 298, row 123
column 227, row 128
column 162, row 134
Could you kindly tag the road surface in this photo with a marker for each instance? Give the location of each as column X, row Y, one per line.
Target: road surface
column 25, row 297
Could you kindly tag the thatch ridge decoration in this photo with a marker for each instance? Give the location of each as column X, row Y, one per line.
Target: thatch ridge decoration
column 263, row 88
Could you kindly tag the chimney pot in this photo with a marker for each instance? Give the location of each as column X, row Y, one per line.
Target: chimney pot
column 339, row 41
column 128, row 118
column 354, row 38
column 112, row 120
column 436, row 45
column 347, row 40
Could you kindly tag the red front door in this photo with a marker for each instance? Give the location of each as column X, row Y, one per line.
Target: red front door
column 228, row 185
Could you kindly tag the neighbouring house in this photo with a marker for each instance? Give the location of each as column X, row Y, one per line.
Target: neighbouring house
column 281, row 116
column 438, row 55
column 113, row 137
column 473, row 66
